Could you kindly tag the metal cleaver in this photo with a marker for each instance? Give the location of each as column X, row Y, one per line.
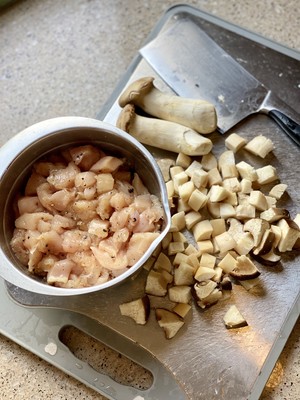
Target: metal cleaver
column 194, row 66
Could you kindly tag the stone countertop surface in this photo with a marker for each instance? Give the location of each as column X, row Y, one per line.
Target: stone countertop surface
column 64, row 58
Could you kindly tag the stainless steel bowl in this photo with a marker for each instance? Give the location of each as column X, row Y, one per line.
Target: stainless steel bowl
column 17, row 157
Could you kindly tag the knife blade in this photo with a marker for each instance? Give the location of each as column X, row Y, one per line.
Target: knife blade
column 195, row 66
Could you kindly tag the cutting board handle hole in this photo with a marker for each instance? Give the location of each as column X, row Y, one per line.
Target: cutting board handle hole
column 104, row 359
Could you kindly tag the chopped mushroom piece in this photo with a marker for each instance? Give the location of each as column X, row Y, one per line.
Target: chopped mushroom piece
column 278, row 190
column 225, row 242
column 234, row 319
column 270, row 258
column 204, row 289
column 258, row 200
column 182, row 309
column 204, row 274
column 228, row 263
column 197, row 200
column 202, row 230
column 274, row 214
column 244, row 269
column 260, row 146
column 180, row 294
column 211, row 299
column 235, row 142
column 165, row 164
column 290, row 232
column 183, row 160
column 209, row 161
column 138, row 310
column 266, row 243
column 257, row 227
column 246, row 171
column 163, row 263
column 217, row 193
column 156, row 284
column 169, row 321
column 266, row 174
column 184, row 274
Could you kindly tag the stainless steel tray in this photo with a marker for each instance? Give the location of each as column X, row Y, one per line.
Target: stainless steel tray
column 204, row 361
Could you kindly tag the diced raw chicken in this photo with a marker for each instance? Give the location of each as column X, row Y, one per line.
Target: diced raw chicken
column 64, row 178
column 34, row 181
column 29, row 204
column 120, row 238
column 31, row 239
column 109, row 246
column 145, row 223
column 85, row 156
column 60, row 223
column 124, row 186
column 104, row 277
column 17, row 246
column 86, row 266
column 75, row 240
column 119, row 261
column 45, row 168
column 150, row 219
column 30, row 221
column 84, row 210
column 126, row 217
column 89, row 193
column 143, row 202
column 104, row 208
column 60, row 271
column 120, row 200
column 138, row 185
column 44, row 226
column 99, row 228
column 84, row 260
column 51, row 200
column 61, row 199
column 35, row 257
column 85, row 180
column 107, row 164
column 138, row 245
column 80, row 227
column 45, row 264
column 50, row 242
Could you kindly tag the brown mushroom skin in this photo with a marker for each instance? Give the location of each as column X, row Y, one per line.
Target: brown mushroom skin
column 265, row 261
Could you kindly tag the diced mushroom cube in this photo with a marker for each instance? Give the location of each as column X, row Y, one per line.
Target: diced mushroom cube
column 202, row 230
column 209, row 161
column 260, row 146
column 197, row 200
column 266, row 174
column 235, row 142
column 225, row 242
column 180, row 294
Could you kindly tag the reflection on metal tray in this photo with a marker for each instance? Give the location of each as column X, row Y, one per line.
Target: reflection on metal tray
column 204, row 360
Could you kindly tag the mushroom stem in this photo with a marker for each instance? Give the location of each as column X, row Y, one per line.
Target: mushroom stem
column 199, row 115
column 163, row 134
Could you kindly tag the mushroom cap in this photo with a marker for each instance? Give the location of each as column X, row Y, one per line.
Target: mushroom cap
column 126, row 117
column 136, row 91
column 245, row 269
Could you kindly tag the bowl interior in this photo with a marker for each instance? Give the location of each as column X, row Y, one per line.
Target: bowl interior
column 17, row 172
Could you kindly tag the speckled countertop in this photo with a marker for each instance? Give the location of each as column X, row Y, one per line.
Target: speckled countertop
column 65, row 58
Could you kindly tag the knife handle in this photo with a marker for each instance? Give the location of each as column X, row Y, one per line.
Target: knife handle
column 286, row 123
